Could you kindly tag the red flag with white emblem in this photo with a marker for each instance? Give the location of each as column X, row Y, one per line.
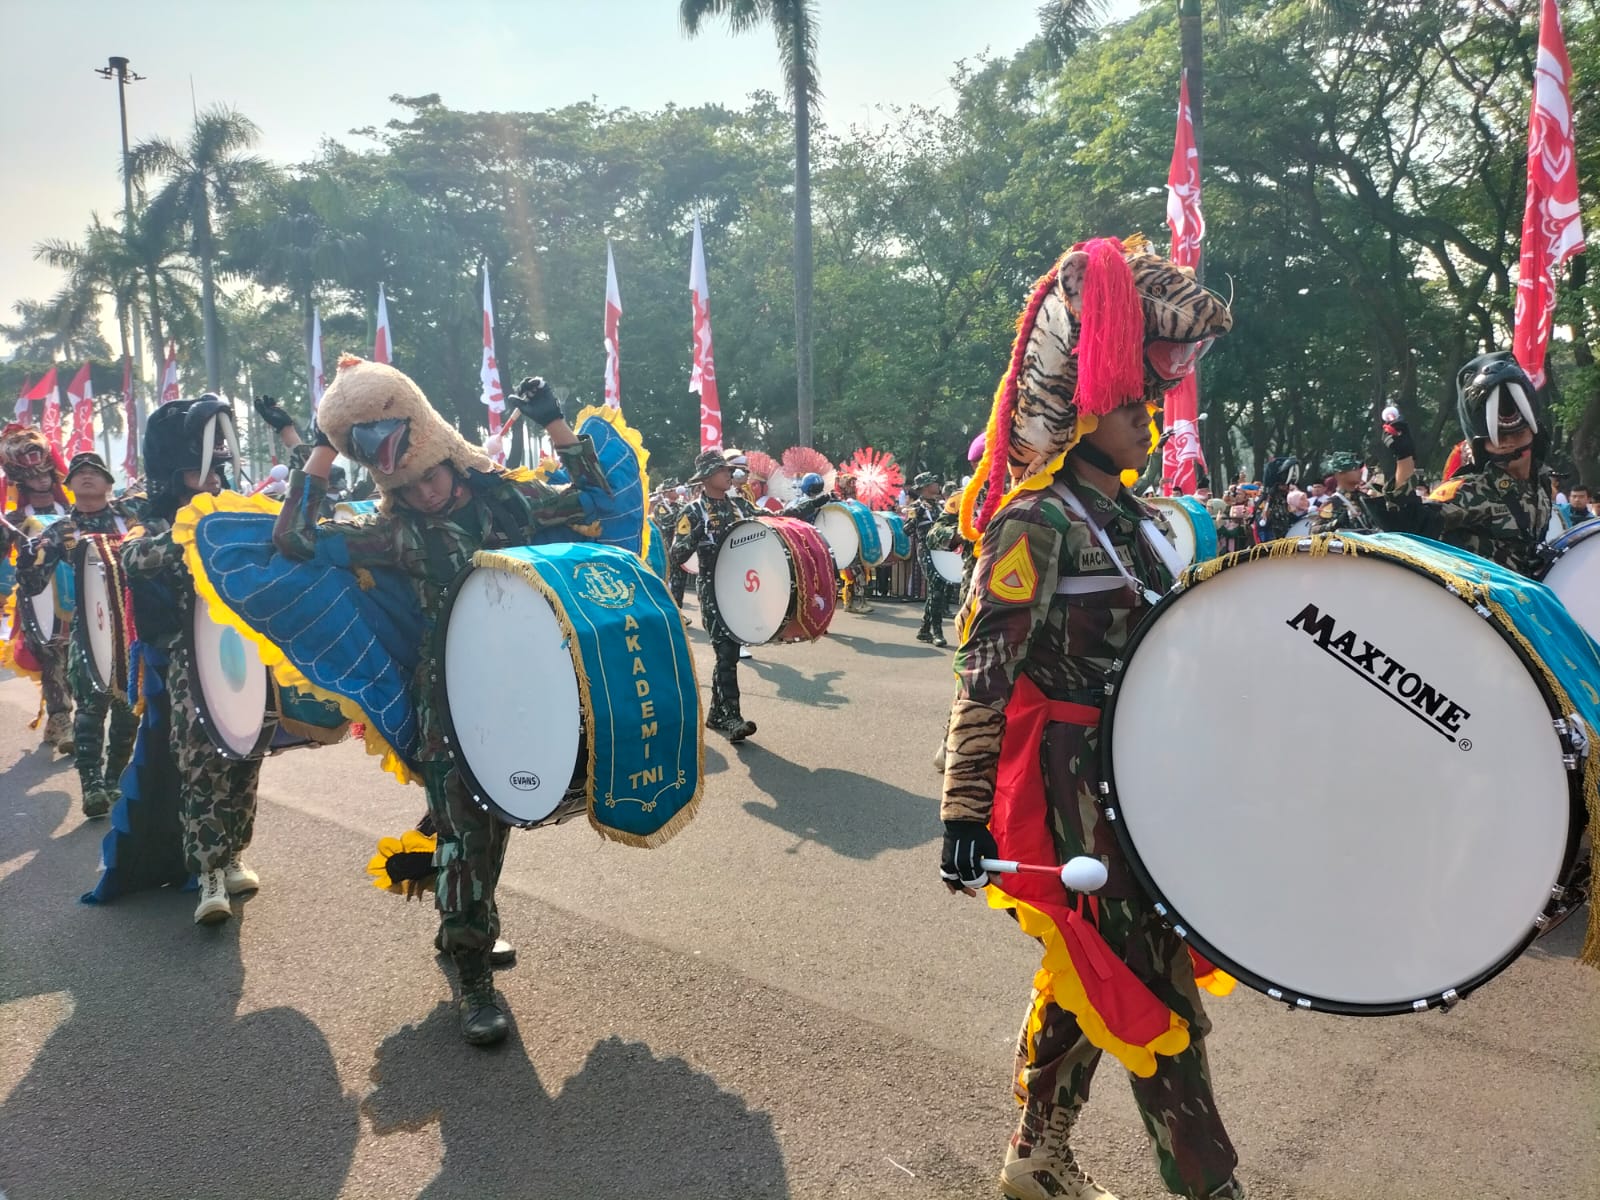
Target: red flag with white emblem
column 80, row 393
column 493, row 397
column 1552, row 225
column 48, row 390
column 24, row 409
column 1181, row 459
column 382, row 349
column 613, row 323
column 169, row 375
column 703, row 374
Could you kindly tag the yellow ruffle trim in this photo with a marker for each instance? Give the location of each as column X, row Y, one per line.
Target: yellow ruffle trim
column 1058, row 982
column 412, row 841
column 284, row 671
column 614, row 418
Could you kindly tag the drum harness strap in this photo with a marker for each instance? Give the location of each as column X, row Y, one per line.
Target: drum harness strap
column 1074, row 585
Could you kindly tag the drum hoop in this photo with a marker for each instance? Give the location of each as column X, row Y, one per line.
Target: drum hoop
column 476, row 792
column 80, row 627
column 1571, row 537
column 269, row 718
column 1164, row 908
column 28, row 617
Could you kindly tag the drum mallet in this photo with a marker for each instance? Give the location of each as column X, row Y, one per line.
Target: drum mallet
column 1080, row 874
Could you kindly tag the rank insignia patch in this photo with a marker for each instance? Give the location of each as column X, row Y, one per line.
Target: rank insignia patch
column 1014, row 578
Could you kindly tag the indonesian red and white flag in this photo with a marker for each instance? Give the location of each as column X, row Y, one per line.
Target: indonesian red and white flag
column 1181, row 458
column 169, row 375
column 382, row 348
column 24, row 409
column 130, row 419
column 48, row 390
column 489, row 374
column 1552, row 224
column 319, row 379
column 613, row 324
column 80, row 393
column 703, row 373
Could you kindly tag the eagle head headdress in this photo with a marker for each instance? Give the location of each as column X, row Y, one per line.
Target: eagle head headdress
column 1112, row 323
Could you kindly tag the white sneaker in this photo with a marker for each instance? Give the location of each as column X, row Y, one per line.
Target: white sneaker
column 744, row 652
column 237, row 877
column 213, row 906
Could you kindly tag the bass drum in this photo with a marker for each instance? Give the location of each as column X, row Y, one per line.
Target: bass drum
column 948, row 564
column 892, row 533
column 1300, row 529
column 46, row 616
column 872, row 548
column 101, row 627
column 838, row 528
column 1573, row 574
column 1194, row 534
column 774, row 582
column 1425, row 862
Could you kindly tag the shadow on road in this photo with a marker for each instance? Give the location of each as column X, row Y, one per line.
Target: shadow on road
column 815, row 690
column 854, row 815
column 628, row 1124
column 875, row 649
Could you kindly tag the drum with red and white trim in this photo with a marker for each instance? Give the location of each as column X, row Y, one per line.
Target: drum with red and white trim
column 774, row 581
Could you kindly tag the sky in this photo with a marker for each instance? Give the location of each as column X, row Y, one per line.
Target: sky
column 305, row 70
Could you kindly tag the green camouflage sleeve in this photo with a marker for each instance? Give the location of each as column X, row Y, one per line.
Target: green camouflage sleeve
column 33, row 571
column 686, row 536
column 151, row 555
column 297, row 534
column 1012, row 588
column 564, row 505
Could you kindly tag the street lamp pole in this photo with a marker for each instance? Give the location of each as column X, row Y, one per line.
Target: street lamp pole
column 117, row 68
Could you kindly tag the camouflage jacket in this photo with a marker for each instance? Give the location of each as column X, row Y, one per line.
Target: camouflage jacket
column 432, row 550
column 57, row 541
column 702, row 525
column 1342, row 510
column 163, row 592
column 1487, row 513
column 1046, row 600
column 1271, row 517
column 807, row 507
column 945, row 534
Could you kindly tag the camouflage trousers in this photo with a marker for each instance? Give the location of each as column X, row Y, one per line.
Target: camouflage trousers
column 217, row 800
column 470, row 852
column 677, row 583
column 96, row 762
column 725, row 674
column 53, row 681
column 939, row 594
column 1056, row 1065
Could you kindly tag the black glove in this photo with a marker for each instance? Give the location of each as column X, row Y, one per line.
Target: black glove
column 273, row 413
column 318, row 438
column 1397, row 436
column 965, row 843
column 535, row 398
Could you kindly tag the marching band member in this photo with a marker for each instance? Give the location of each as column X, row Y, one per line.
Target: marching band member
column 99, row 763
column 1271, row 515
column 1497, row 505
column 855, row 575
column 702, row 526
column 37, row 476
column 188, row 446
column 443, row 500
column 1344, row 508
column 926, row 508
column 1069, row 564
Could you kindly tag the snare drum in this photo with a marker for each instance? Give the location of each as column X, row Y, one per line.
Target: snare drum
column 1194, row 533
column 873, row 549
column 774, row 581
column 949, row 565
column 838, row 528
column 1573, row 574
column 1394, row 861
column 101, row 627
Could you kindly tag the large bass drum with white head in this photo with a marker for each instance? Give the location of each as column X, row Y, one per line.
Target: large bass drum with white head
column 1391, row 847
column 1573, row 573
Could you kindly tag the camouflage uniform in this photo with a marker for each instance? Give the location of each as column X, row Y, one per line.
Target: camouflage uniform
column 1271, row 516
column 432, row 551
column 1488, row 513
column 1344, row 510
column 51, row 655
column 98, row 766
column 925, row 514
column 702, row 526
column 217, row 795
column 1047, row 601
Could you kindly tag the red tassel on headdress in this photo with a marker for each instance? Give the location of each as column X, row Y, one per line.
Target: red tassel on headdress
column 1111, row 344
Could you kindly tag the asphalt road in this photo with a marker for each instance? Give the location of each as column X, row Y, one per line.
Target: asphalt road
column 783, row 1002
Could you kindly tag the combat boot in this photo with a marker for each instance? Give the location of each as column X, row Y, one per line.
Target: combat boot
column 213, row 906
column 924, row 634
column 483, row 1021
column 97, row 798
column 1039, row 1163
column 237, row 877
column 58, row 733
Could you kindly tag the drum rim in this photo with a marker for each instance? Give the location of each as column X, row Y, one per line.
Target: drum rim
column 28, row 616
column 1570, row 537
column 80, row 629
column 476, row 792
column 768, row 522
column 1168, row 912
column 269, row 717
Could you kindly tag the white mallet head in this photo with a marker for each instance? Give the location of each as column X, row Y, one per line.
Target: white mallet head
column 1083, row 874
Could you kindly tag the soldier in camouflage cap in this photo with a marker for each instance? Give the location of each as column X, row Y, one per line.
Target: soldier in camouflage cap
column 1345, row 508
column 926, row 507
column 1498, row 503
column 1069, row 564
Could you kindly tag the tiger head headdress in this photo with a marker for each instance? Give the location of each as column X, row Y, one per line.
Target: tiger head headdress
column 1112, row 323
column 28, row 461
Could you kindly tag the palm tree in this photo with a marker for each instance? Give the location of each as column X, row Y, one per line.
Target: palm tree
column 794, row 24
column 62, row 325
column 105, row 266
column 201, row 182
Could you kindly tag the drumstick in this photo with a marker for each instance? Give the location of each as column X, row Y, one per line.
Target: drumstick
column 1080, row 874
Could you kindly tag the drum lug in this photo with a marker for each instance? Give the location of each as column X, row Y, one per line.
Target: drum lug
column 1449, row 1000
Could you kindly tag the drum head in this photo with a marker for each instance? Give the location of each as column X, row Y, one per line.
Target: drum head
column 232, row 684
column 885, row 538
column 948, row 564
column 1575, row 576
column 1181, row 524
column 1301, row 528
column 753, row 582
column 42, row 611
column 1341, row 781
column 691, row 565
column 511, row 696
column 95, row 618
column 838, row 529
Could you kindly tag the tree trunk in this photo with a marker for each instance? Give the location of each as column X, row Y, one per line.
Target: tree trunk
column 208, row 296
column 158, row 344
column 802, row 236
